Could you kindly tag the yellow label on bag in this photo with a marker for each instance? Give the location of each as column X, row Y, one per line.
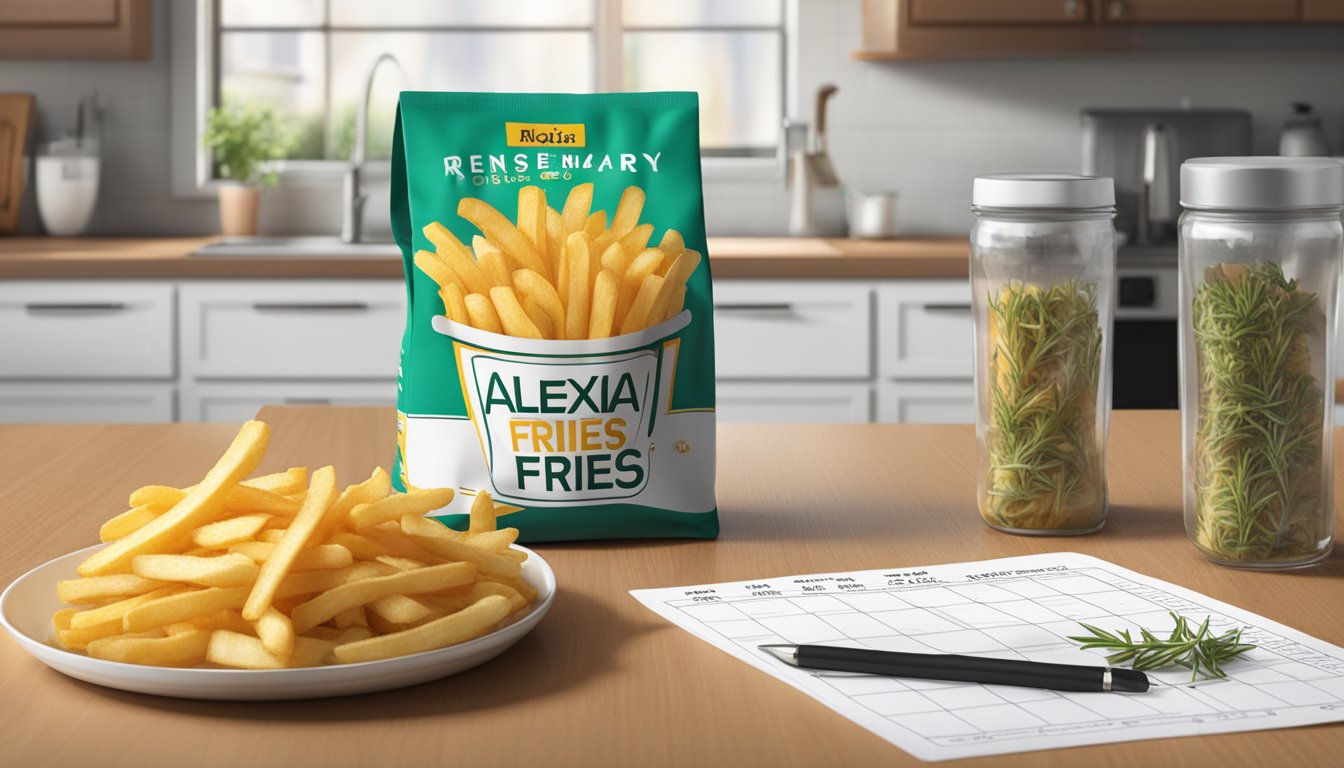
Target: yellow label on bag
column 544, row 134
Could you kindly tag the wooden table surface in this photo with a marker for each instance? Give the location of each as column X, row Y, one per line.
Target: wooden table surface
column 602, row 681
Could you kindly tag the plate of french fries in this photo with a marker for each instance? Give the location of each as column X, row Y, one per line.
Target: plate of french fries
column 280, row 586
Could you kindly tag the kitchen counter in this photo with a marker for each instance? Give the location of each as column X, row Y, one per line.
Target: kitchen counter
column 738, row 257
column 603, row 681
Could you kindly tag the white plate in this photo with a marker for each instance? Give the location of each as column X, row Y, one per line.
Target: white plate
column 27, row 605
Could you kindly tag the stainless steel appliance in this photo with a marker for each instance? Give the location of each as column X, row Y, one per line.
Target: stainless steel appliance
column 1142, row 150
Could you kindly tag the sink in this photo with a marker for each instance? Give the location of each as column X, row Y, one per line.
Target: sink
column 297, row 247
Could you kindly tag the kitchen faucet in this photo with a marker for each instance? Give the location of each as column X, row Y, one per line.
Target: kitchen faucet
column 352, row 195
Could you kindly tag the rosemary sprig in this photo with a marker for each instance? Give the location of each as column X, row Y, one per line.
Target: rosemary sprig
column 1258, row 479
column 1193, row 649
column 1045, row 459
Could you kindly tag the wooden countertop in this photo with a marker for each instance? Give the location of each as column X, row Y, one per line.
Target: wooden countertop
column 740, row 257
column 602, row 681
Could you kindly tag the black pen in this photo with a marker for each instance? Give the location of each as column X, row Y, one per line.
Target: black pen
column 964, row 669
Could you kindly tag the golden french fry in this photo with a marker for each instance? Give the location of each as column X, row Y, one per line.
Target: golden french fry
column 602, row 316
column 555, row 235
column 291, row 481
column 378, row 486
column 468, row 623
column 678, row 303
column 429, row 535
column 271, row 535
column 577, row 205
column 512, row 316
column 402, row 563
column 173, row 528
column 183, row 606
column 438, row 269
column 627, row 211
column 497, row 227
column 444, row 241
column 97, row 589
column 177, row 650
column 351, row 617
column 276, row 632
column 434, row 578
column 677, row 276
column 321, row 494
column 636, row 240
column 538, row 317
column 417, row 502
column 400, row 609
column 116, row 611
column 479, row 590
column 645, row 264
column 576, row 289
column 532, row 223
column 596, row 224
column 231, row 531
column 304, row 583
column 79, row 639
column 482, row 515
column 240, row 651
column 536, row 287
column 671, row 245
column 243, row 499
column 454, row 304
column 320, row 557
column 528, row 591
column 638, row 316
column 231, row 570
column 394, row 541
column 347, row 635
column 616, row 259
column 228, row 619
column 481, row 313
column 130, row 521
column 494, row 540
column 493, row 264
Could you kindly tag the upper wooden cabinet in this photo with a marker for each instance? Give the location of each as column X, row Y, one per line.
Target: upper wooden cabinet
column 960, row 28
column 74, row 29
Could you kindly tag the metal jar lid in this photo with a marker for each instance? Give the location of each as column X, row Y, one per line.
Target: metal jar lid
column 1262, row 183
column 1042, row 190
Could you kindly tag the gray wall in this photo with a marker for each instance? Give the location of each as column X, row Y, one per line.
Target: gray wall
column 923, row 129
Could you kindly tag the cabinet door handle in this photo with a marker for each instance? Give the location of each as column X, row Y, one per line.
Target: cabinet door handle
column 71, row 306
column 307, row 401
column 947, row 307
column 780, row 307
column 331, row 306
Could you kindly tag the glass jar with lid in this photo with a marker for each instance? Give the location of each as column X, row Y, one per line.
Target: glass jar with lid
column 1043, row 282
column 1260, row 257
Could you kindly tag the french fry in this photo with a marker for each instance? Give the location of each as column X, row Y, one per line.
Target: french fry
column 481, row 313
column 231, row 570
column 596, row 225
column 482, row 515
column 129, row 521
column 555, row 234
column 231, row 531
column 616, row 259
column 228, row 619
column 321, row 494
column 627, row 211
column 183, row 606
column 532, row 285
column 351, row 617
column 492, row 260
column 291, row 481
column 378, row 486
column 479, row 591
column 394, row 541
column 636, row 240
column 495, row 226
column 429, row 535
column 172, row 529
column 417, row 502
column 602, row 316
column 271, row 535
column 512, row 316
column 494, row 540
column 638, row 316
column 534, row 313
column 434, row 578
column 240, row 651
column 179, row 650
column 675, row 281
column 454, row 304
column 575, row 286
column 577, row 205
column 645, row 264
column 79, row 639
column 321, row 557
column 276, row 632
column 97, row 589
column 443, row 240
column 338, row 636
column 532, row 223
column 469, row 623
column 438, row 269
column 402, row 563
column 671, row 245
column 116, row 611
column 400, row 609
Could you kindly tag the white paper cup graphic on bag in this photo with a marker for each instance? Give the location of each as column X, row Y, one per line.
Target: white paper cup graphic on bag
column 564, row 422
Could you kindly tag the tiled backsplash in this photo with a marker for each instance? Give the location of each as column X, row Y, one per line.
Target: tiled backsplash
column 923, row 129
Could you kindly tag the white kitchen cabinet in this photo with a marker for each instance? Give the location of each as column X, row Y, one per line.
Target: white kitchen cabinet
column 86, row 329
column 927, row 402
column 240, row 401
column 793, row 329
column 810, row 403
column 292, row 329
column 103, row 402
column 924, row 329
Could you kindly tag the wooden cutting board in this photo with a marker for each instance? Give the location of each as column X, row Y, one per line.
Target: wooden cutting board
column 16, row 118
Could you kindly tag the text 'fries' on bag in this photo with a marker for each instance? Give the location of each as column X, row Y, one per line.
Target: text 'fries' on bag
column 553, row 355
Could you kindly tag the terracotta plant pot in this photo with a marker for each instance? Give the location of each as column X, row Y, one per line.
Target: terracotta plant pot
column 238, row 204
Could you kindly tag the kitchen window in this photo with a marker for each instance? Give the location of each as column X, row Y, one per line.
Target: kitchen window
column 309, row 59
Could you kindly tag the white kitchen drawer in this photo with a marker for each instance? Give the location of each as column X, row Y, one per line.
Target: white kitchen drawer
column 794, row 403
column 240, row 401
column 925, row 329
column 286, row 329
column 80, row 329
column 792, row 329
column 106, row 402
column 926, row 402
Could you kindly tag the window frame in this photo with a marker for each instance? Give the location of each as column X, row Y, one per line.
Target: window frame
column 195, row 84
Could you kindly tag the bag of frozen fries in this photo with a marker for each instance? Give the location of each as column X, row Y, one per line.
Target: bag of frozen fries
column 559, row 343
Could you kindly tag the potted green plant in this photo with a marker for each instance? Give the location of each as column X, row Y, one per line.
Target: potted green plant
column 244, row 139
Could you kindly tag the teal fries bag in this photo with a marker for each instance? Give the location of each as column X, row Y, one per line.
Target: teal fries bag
column 559, row 343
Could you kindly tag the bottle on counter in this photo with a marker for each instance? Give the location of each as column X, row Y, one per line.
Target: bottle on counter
column 1043, row 282
column 1260, row 244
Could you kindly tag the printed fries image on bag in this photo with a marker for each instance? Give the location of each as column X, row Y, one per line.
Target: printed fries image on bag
column 558, row 353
